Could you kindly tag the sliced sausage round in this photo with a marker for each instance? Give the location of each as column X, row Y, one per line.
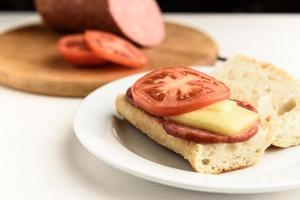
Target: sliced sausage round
column 203, row 136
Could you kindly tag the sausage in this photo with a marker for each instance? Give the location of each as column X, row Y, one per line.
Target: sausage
column 130, row 97
column 138, row 20
column 203, row 136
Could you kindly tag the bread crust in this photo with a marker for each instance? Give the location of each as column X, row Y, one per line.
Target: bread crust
column 204, row 158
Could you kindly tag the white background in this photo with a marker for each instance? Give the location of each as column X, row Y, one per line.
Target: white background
column 40, row 158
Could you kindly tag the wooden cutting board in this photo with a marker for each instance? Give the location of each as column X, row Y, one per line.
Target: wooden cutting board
column 29, row 60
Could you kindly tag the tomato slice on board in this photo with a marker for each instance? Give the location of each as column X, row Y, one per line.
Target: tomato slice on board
column 115, row 49
column 173, row 91
column 74, row 50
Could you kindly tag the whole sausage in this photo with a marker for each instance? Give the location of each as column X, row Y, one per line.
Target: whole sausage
column 138, row 20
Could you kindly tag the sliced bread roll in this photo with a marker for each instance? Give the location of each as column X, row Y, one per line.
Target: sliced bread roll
column 274, row 93
column 204, row 158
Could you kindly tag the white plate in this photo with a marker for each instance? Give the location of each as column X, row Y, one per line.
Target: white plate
column 117, row 143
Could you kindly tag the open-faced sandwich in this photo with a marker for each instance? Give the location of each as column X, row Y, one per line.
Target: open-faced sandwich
column 194, row 115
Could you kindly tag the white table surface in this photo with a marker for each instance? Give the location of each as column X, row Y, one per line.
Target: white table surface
column 42, row 159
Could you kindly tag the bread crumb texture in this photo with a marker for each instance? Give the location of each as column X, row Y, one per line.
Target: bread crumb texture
column 274, row 93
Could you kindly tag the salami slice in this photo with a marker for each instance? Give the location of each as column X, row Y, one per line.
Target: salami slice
column 203, row 136
column 138, row 20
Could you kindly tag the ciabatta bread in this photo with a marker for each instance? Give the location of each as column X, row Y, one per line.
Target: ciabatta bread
column 274, row 93
column 204, row 158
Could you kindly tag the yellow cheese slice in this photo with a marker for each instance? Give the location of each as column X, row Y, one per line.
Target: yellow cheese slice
column 224, row 118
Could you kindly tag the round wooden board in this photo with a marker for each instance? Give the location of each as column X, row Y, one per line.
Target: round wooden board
column 29, row 60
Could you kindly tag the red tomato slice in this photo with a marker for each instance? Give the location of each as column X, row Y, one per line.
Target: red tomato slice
column 173, row 91
column 115, row 49
column 74, row 50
